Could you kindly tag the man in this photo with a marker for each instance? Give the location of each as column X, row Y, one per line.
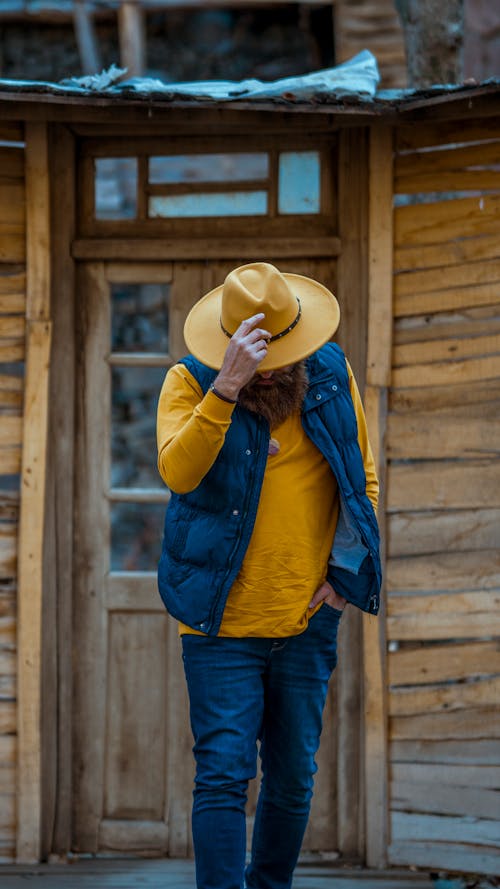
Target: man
column 270, row 529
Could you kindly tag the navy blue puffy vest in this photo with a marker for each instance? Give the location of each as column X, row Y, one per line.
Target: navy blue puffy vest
column 207, row 531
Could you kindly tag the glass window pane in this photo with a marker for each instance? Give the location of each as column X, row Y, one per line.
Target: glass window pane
column 135, row 392
column 136, row 531
column 139, row 317
column 209, row 168
column 299, row 182
column 235, row 203
column 115, row 188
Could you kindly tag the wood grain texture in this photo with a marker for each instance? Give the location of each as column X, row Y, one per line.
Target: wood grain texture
column 444, row 616
column 30, row 568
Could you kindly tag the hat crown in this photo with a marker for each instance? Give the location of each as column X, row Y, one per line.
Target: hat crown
column 258, row 287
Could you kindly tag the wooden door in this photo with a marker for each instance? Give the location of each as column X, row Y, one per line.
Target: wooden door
column 133, row 767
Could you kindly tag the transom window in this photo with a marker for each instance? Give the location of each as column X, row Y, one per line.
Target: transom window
column 231, row 184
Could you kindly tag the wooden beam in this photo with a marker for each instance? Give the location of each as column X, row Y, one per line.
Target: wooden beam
column 380, row 257
column 161, row 249
column 132, row 37
column 380, row 245
column 58, row 684
column 31, row 525
column 352, row 293
column 88, row 46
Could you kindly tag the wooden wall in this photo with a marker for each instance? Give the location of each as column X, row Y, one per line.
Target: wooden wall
column 443, row 500
column 12, row 353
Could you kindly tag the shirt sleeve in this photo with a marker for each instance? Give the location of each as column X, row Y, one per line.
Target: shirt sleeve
column 190, row 430
column 372, row 485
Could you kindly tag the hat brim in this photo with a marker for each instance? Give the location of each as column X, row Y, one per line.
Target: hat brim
column 320, row 316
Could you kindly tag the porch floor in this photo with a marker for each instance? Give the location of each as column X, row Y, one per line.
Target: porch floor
column 179, row 874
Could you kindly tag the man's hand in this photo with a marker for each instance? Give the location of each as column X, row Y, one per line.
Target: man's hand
column 247, row 347
column 327, row 594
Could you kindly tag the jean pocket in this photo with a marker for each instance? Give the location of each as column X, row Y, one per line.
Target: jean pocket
column 337, row 612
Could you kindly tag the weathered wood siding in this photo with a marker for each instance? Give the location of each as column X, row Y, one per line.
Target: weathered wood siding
column 443, row 500
column 12, row 353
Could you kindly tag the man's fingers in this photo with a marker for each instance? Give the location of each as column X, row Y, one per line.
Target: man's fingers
column 318, row 597
column 249, row 323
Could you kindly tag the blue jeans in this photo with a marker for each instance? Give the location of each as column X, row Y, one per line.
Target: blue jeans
column 242, row 690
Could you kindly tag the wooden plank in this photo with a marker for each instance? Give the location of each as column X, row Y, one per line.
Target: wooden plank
column 464, row 325
column 442, row 255
column 13, row 206
column 10, row 460
column 8, row 726
column 374, row 667
column 162, row 249
column 443, row 485
column 8, row 682
column 481, row 723
column 14, row 303
column 443, row 663
column 449, row 299
column 451, row 856
column 449, row 571
column 133, row 836
column 91, row 556
column 452, row 133
column 452, row 348
column 8, row 549
column 444, row 616
column 132, row 37
column 453, row 159
column 11, row 431
column 12, row 352
column 444, row 698
column 444, row 181
column 38, row 222
column 462, row 753
column 11, row 131
column 136, row 651
column 12, row 326
column 352, row 278
column 459, row 275
column 409, row 826
column 432, row 223
column 12, row 280
column 133, row 591
column 434, row 798
column 30, row 570
column 380, row 246
column 88, row 48
column 58, row 706
column 466, row 432
column 473, row 776
column 135, row 272
column 12, row 243
column 411, row 534
column 438, row 397
column 7, row 813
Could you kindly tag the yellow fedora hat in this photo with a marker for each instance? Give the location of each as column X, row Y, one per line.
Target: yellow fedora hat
column 300, row 314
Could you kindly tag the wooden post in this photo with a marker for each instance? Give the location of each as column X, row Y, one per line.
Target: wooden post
column 31, row 525
column 132, row 36
column 380, row 244
column 352, row 291
column 85, row 37
column 57, row 687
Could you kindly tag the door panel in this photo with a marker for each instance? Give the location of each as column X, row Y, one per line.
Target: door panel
column 133, row 769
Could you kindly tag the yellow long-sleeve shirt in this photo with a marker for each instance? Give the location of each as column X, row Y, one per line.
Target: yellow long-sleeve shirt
column 287, row 557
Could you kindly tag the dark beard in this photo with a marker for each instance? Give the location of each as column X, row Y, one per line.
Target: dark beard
column 279, row 401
